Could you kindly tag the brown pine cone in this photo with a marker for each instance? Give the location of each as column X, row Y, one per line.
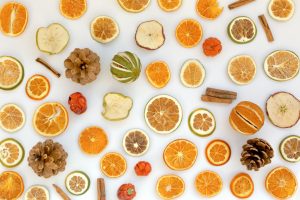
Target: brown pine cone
column 256, row 154
column 47, row 158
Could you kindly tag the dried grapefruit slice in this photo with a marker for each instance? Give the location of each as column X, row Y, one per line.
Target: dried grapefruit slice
column 73, row 9
column 242, row 30
column 37, row 87
column 242, row 186
column 11, row 73
column 158, row 74
column 136, row 142
column 163, row 114
column 169, row 5
column 12, row 118
column 37, row 192
column 11, row 185
column 189, row 33
column 282, row 65
column 208, row 9
column 208, row 183
column 281, row 10
column 104, row 29
column 192, row 73
column 134, row 6
column 77, row 183
column 170, row 186
column 218, row 152
column 113, row 165
column 180, row 154
column 290, row 148
column 202, row 122
column 11, row 152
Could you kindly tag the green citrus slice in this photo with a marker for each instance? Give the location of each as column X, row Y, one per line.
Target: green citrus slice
column 11, row 73
column 12, row 118
column 37, row 192
column 202, row 122
column 77, row 183
column 11, row 152
column 136, row 142
column 192, row 73
column 242, row 30
column 52, row 39
column 290, row 148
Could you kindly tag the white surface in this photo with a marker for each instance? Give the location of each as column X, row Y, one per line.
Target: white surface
column 42, row 13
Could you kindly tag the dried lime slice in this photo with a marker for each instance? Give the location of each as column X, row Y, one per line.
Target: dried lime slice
column 37, row 192
column 202, row 122
column 290, row 148
column 52, row 39
column 11, row 73
column 136, row 142
column 242, row 30
column 11, row 152
column 77, row 183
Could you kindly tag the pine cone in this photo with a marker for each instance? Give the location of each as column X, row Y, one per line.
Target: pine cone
column 82, row 66
column 256, row 154
column 47, row 158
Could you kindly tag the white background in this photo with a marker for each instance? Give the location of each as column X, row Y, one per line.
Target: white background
column 42, row 13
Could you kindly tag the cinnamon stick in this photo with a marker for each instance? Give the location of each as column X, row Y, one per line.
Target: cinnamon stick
column 211, row 99
column 239, row 3
column 266, row 27
column 49, row 67
column 101, row 189
column 221, row 93
column 61, row 193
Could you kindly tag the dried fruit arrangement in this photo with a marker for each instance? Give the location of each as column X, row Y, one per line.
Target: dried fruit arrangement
column 162, row 114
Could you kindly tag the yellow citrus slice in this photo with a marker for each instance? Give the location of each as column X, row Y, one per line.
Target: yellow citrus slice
column 11, row 185
column 180, row 154
column 208, row 9
column 37, row 192
column 72, row 9
column 11, row 73
column 242, row 186
column 169, row 5
column 218, row 152
column 158, row 74
column 37, row 87
column 192, row 73
column 104, row 29
column 208, row 183
column 134, row 6
column 189, row 33
column 12, row 118
column 170, row 186
column 281, row 10
column 113, row 165
column 50, row 119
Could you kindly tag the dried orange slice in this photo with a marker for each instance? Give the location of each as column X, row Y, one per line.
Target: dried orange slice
column 281, row 183
column 72, row 9
column 242, row 69
column 13, row 18
column 134, row 6
column 93, row 140
column 37, row 192
column 50, row 119
column 208, row 183
column 192, row 73
column 12, row 118
column 242, row 186
column 208, row 9
column 104, row 29
column 281, row 10
column 169, row 5
column 113, row 165
column 11, row 185
column 37, row 87
column 170, row 186
column 218, row 152
column 11, row 152
column 180, row 154
column 189, row 33
column 158, row 74
column 163, row 114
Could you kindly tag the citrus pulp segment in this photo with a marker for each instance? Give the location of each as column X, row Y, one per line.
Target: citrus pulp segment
column 11, row 73
column 290, row 148
column 218, row 152
column 170, row 186
column 113, row 165
column 136, row 142
column 37, row 192
column 11, row 152
column 12, row 118
column 104, row 29
column 77, row 183
column 202, row 122
column 192, row 73
column 242, row 30
column 11, row 185
column 189, row 33
column 37, row 87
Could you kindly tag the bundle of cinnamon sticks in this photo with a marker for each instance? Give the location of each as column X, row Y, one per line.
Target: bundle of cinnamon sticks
column 219, row 96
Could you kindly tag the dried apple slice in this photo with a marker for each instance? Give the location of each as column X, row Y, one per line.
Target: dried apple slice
column 150, row 35
column 283, row 109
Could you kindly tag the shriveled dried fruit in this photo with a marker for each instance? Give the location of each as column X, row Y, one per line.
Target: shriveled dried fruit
column 142, row 168
column 212, row 46
column 242, row 30
column 126, row 192
column 77, row 103
column 136, row 142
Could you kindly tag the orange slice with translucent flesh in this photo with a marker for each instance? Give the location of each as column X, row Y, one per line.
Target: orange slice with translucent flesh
column 37, row 87
column 169, row 5
column 134, row 5
column 242, row 186
column 73, row 9
column 189, row 33
column 11, row 185
column 208, row 183
column 208, row 9
column 281, row 10
column 158, row 74
column 170, row 186
column 50, row 119
column 218, row 152
column 180, row 154
column 113, row 165
column 12, row 118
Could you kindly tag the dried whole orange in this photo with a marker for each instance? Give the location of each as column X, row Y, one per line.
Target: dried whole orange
column 73, row 9
column 189, row 33
column 113, row 165
column 170, row 186
column 180, row 154
column 218, row 152
column 208, row 183
column 169, row 5
column 281, row 183
column 242, row 186
column 37, row 87
column 134, row 6
column 158, row 74
column 11, row 185
column 93, row 140
column 208, row 9
column 50, row 119
column 13, row 19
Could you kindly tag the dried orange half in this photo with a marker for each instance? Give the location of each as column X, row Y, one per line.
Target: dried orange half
column 12, row 118
column 13, row 18
column 37, row 87
column 72, row 9
column 208, row 183
column 208, row 9
column 104, row 29
column 134, row 6
column 281, row 183
column 158, row 74
column 11, row 185
column 242, row 186
column 50, row 119
column 169, row 5
column 170, row 186
column 113, row 165
column 189, row 33
column 281, row 10
column 93, row 140
column 180, row 154
column 218, row 152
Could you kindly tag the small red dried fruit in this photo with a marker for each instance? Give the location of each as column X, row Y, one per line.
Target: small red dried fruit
column 142, row 168
column 212, row 46
column 77, row 103
column 126, row 192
